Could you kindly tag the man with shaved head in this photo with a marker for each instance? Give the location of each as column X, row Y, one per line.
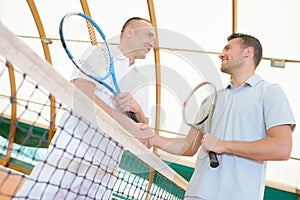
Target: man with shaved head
column 82, row 161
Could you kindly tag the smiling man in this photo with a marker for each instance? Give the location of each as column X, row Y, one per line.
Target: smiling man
column 252, row 123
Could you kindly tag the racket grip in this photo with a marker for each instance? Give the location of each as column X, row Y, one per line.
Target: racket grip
column 132, row 116
column 213, row 159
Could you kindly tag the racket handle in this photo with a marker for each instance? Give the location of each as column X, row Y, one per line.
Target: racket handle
column 213, row 159
column 132, row 116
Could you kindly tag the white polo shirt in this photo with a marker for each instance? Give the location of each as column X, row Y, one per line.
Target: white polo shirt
column 130, row 79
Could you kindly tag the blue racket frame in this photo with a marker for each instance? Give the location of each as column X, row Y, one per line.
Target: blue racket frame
column 77, row 63
column 112, row 68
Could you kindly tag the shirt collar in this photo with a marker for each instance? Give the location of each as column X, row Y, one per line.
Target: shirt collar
column 252, row 81
column 118, row 55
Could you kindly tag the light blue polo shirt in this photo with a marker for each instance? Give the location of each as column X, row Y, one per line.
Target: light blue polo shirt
column 241, row 114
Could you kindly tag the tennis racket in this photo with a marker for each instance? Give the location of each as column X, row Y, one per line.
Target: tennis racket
column 86, row 45
column 198, row 108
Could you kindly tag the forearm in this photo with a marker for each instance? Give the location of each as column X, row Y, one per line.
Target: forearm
column 125, row 121
column 88, row 88
column 260, row 150
column 176, row 146
column 141, row 117
column 277, row 146
column 186, row 146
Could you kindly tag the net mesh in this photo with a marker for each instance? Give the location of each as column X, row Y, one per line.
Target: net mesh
column 82, row 161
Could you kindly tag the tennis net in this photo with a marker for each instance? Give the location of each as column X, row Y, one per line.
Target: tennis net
column 90, row 156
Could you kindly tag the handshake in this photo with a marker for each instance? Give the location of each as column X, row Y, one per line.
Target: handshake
column 146, row 136
column 178, row 146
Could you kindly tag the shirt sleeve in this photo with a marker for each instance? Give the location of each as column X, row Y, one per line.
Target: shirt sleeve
column 277, row 110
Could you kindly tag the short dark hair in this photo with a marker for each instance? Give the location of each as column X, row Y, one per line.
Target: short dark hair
column 249, row 41
column 131, row 20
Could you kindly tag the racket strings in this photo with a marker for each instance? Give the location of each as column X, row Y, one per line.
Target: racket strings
column 96, row 61
column 198, row 105
column 86, row 46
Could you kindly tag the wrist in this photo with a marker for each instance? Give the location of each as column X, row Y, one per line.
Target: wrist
column 222, row 146
column 153, row 141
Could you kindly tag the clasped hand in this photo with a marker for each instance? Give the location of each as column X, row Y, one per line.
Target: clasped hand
column 147, row 134
column 208, row 142
column 126, row 103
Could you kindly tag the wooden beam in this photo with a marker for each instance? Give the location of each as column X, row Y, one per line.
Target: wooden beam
column 46, row 50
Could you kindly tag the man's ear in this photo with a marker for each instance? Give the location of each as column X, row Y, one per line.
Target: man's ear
column 248, row 52
column 128, row 31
